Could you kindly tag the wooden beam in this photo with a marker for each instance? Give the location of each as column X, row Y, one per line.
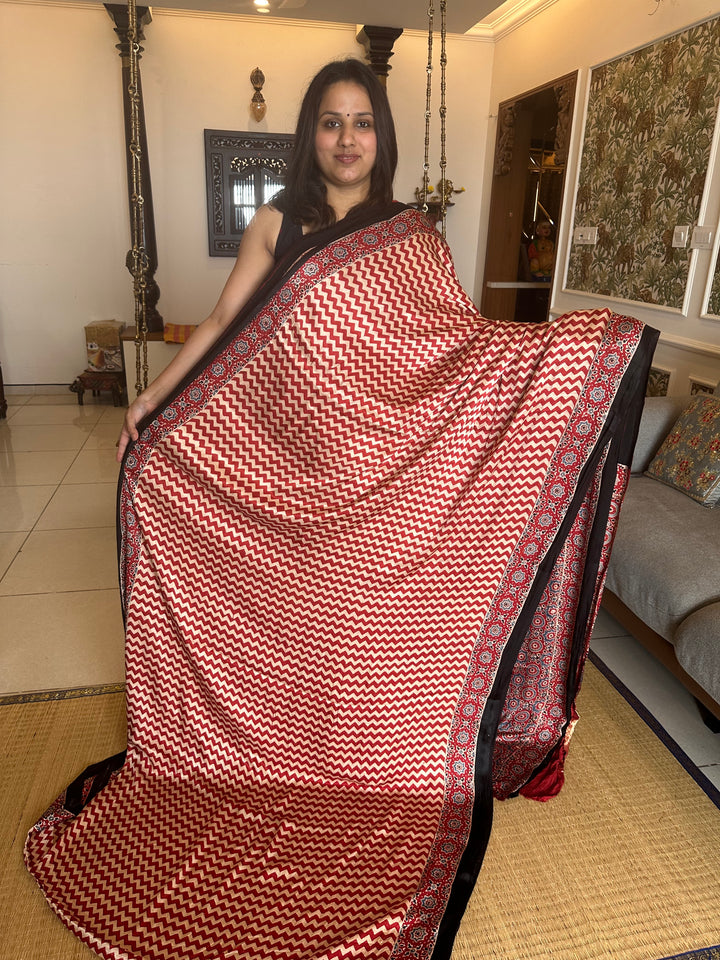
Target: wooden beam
column 378, row 45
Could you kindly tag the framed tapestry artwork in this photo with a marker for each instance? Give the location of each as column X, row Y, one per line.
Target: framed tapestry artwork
column 647, row 146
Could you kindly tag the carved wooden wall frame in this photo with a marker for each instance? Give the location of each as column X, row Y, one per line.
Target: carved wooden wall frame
column 227, row 151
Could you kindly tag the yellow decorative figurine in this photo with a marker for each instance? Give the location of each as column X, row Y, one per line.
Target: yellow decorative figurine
column 541, row 252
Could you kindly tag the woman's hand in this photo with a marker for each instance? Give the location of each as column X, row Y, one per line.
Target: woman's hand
column 137, row 410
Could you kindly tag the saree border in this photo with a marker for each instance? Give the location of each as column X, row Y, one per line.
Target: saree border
column 473, row 728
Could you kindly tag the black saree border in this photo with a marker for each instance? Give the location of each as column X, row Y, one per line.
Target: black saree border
column 619, row 432
column 704, row 953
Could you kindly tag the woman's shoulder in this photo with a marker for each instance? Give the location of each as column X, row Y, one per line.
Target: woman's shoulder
column 265, row 226
column 268, row 217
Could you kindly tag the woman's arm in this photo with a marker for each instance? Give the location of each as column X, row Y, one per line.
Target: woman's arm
column 254, row 261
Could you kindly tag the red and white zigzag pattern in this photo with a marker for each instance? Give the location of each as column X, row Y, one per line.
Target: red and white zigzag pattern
column 327, row 540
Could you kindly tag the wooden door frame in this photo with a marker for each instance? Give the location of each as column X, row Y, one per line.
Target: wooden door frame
column 507, row 197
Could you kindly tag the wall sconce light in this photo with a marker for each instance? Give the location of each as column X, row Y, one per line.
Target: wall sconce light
column 257, row 104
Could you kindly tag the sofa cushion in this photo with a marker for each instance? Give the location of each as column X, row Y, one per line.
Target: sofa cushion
column 665, row 561
column 697, row 647
column 689, row 458
column 658, row 416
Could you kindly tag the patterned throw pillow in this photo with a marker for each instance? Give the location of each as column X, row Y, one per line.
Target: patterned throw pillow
column 689, row 458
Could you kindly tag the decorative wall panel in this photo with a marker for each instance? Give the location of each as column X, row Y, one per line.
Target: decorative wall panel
column 651, row 116
column 714, row 301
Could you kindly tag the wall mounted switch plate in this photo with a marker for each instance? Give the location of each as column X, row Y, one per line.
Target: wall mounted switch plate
column 585, row 235
column 702, row 238
column 681, row 235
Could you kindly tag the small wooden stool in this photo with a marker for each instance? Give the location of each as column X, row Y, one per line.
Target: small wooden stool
column 98, row 380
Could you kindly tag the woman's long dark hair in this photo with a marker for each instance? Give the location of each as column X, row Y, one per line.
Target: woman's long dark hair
column 304, row 197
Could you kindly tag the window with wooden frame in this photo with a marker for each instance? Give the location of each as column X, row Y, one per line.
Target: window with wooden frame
column 243, row 171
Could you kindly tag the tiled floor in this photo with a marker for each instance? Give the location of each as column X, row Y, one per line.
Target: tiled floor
column 60, row 623
column 663, row 695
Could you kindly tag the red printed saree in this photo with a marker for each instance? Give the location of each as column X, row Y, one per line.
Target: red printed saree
column 361, row 552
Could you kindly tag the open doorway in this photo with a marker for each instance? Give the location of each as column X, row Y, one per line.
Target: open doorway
column 526, row 200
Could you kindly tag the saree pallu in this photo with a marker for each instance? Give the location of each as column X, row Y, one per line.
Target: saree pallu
column 362, row 548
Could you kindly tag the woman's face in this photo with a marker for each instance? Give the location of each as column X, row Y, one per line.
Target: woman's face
column 345, row 139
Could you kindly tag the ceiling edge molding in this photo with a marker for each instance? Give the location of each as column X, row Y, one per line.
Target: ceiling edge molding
column 496, row 27
column 249, row 18
column 474, row 34
column 192, row 14
column 68, row 4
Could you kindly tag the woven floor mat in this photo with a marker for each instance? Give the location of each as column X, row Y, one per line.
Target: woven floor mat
column 622, row 865
column 43, row 746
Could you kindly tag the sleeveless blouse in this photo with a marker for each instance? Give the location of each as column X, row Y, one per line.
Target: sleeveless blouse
column 290, row 233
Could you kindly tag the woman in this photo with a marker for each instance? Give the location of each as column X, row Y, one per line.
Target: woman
column 344, row 158
column 361, row 540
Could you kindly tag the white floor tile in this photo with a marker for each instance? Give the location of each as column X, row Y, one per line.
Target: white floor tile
column 34, row 469
column 24, row 438
column 11, row 412
column 10, row 544
column 79, row 506
column 17, row 394
column 56, row 641
column 663, row 695
column 104, row 436
column 33, row 414
column 56, row 561
column 20, row 507
column 66, row 399
column 93, row 466
column 114, row 415
column 607, row 626
column 713, row 774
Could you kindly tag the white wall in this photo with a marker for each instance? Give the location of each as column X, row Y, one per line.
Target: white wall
column 63, row 212
column 469, row 73
column 579, row 34
column 63, row 196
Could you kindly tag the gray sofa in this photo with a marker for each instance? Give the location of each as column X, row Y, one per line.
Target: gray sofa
column 663, row 582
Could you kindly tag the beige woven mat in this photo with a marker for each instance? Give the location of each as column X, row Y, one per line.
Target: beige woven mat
column 622, row 865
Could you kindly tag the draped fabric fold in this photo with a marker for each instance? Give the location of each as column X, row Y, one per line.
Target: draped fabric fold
column 362, row 548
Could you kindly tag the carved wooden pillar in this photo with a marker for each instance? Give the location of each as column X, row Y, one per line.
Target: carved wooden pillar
column 119, row 15
column 378, row 45
column 565, row 96
column 505, row 141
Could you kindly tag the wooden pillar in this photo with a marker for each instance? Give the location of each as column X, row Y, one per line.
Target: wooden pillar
column 119, row 15
column 378, row 45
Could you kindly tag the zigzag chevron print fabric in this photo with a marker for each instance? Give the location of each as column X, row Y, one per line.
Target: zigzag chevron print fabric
column 361, row 546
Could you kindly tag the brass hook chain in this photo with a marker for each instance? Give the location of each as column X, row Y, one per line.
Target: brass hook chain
column 139, row 251
column 428, row 104
column 443, row 115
